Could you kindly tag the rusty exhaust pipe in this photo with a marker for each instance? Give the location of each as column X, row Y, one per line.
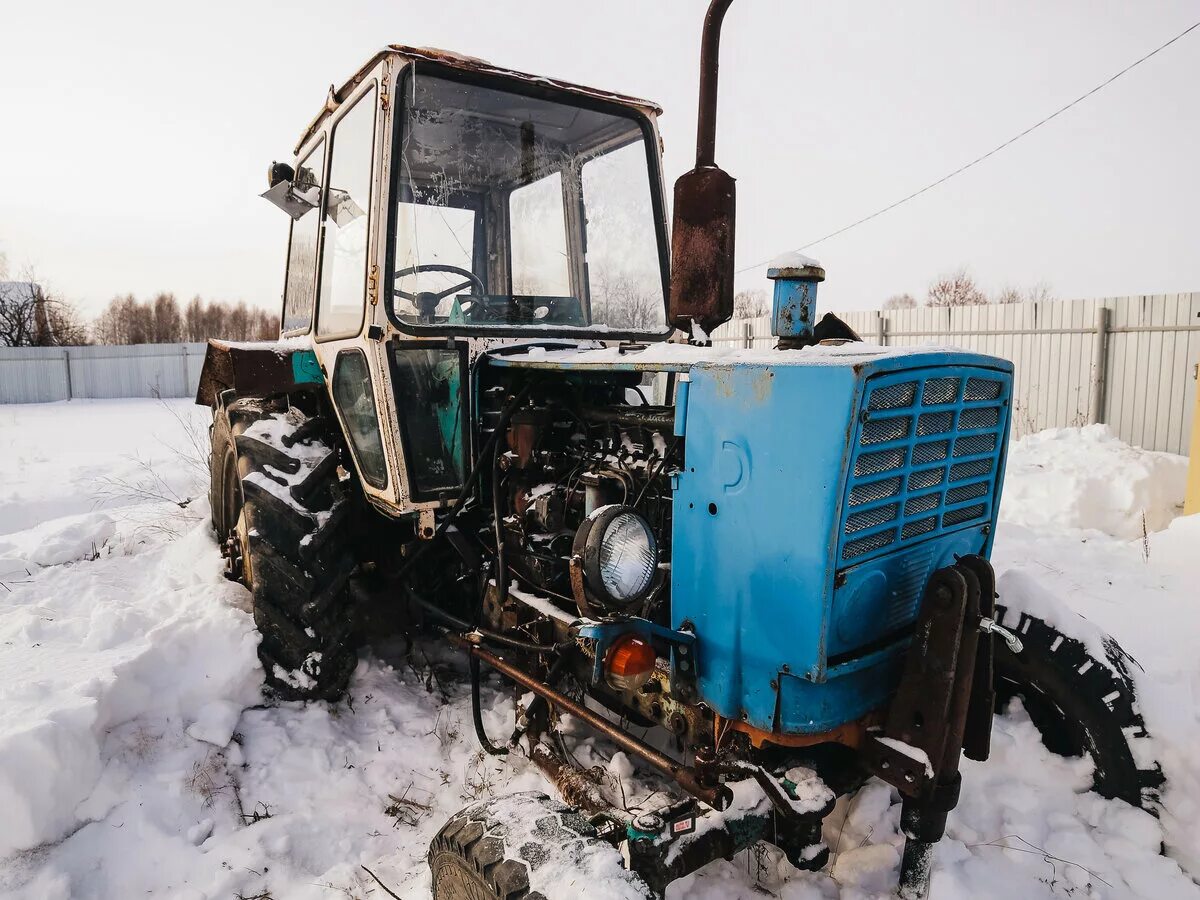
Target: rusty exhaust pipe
column 702, row 234
column 717, row 796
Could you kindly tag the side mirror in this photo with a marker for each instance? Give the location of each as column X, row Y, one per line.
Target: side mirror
column 284, row 192
column 279, row 172
column 702, row 235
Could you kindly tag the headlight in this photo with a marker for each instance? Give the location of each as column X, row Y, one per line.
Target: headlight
column 618, row 553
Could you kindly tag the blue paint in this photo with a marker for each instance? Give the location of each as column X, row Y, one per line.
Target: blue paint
column 799, row 628
column 681, row 402
column 794, row 301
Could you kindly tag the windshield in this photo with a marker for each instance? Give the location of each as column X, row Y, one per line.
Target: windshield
column 517, row 211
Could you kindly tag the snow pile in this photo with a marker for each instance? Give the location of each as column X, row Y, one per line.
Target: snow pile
column 1089, row 479
column 138, row 759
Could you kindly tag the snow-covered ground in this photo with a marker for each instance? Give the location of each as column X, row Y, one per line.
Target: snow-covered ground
column 136, row 759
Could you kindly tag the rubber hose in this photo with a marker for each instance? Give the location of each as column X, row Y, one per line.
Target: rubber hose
column 477, row 712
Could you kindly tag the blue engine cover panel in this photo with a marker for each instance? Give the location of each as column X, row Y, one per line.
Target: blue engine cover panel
column 816, row 500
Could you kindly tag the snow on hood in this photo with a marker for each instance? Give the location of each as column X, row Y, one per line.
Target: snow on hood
column 680, row 356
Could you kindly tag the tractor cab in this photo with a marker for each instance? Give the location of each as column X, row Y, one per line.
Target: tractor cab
column 522, row 207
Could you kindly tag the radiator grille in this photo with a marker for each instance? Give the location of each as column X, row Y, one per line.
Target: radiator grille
column 925, row 458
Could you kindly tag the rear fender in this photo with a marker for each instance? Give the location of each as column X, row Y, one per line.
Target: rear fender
column 257, row 370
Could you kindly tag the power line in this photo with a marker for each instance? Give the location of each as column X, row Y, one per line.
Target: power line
column 991, row 152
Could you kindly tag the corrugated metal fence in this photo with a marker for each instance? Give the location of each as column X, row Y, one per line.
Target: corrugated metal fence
column 1128, row 361
column 42, row 374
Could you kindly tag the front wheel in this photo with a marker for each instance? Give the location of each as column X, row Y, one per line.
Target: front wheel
column 526, row 846
column 1081, row 705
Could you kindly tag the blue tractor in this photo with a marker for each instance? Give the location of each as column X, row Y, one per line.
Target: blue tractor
column 494, row 412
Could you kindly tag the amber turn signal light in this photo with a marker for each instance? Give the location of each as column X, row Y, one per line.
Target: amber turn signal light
column 629, row 663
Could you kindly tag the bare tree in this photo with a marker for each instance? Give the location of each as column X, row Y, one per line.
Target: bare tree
column 168, row 322
column 125, row 321
column 1040, row 293
column 751, row 304
column 193, row 321
column 32, row 316
column 957, row 288
column 900, row 301
column 622, row 302
column 1009, row 294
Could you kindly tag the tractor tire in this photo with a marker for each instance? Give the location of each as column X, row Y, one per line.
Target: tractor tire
column 489, row 850
column 1080, row 704
column 285, row 523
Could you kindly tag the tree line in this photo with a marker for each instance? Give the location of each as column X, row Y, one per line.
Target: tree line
column 161, row 320
column 32, row 315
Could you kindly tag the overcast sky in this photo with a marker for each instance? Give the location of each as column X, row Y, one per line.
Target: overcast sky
column 135, row 136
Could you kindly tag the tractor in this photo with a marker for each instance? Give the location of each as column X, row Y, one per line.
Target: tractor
column 494, row 413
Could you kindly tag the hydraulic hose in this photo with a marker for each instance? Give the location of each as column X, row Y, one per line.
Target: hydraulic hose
column 477, row 712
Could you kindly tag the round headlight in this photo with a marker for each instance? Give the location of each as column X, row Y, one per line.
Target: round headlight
column 620, row 555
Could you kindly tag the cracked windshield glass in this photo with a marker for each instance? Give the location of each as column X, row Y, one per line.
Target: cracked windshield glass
column 519, row 211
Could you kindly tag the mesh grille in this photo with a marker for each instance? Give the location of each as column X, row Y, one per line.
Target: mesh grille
column 883, row 430
column 982, row 417
column 921, row 504
column 919, row 527
column 883, row 514
column 966, row 514
column 983, row 389
column 930, row 451
column 967, row 492
column 926, row 478
column 874, row 490
column 934, row 423
column 973, row 469
column 861, row 521
column 974, row 444
column 866, row 544
column 893, row 396
column 940, row 390
column 882, row 461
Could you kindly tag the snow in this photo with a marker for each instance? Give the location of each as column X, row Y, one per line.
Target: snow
column 793, row 260
column 681, row 356
column 1088, row 479
column 137, row 757
column 914, row 753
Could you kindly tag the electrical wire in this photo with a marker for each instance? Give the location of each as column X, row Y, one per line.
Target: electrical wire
column 990, row 153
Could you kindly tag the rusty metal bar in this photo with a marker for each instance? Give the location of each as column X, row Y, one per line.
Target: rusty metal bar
column 706, row 117
column 717, row 796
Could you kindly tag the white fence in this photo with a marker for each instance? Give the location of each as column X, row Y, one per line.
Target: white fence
column 42, row 374
column 1128, row 361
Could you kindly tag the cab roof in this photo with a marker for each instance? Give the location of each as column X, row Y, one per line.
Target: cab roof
column 448, row 58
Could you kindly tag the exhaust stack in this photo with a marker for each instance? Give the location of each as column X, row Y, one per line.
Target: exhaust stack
column 702, row 235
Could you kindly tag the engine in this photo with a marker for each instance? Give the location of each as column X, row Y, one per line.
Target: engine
column 582, row 494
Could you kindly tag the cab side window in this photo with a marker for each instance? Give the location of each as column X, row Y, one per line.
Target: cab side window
column 347, row 207
column 355, row 399
column 301, row 286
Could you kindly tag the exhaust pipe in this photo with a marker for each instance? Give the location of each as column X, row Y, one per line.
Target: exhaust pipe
column 702, row 235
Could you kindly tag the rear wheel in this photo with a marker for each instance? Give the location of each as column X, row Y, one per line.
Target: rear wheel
column 496, row 850
column 285, row 521
column 1081, row 705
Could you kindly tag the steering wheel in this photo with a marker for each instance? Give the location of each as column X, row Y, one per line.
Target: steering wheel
column 427, row 301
